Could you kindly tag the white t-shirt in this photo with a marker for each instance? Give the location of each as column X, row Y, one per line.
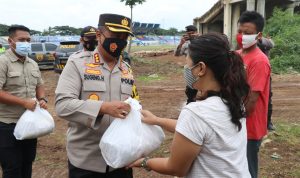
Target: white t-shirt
column 223, row 154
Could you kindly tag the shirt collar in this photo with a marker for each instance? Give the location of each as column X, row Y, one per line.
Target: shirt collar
column 118, row 67
column 14, row 58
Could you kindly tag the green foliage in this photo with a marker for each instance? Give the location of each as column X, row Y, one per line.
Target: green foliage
column 171, row 31
column 287, row 132
column 132, row 3
column 4, row 30
column 284, row 28
column 62, row 30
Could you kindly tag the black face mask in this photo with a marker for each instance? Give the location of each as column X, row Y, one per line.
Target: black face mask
column 114, row 46
column 90, row 45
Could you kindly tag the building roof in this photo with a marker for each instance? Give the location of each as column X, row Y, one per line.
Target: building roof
column 210, row 14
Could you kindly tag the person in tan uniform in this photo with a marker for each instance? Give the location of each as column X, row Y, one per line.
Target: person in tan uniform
column 90, row 94
column 20, row 81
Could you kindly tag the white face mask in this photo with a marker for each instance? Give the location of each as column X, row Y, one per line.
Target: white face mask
column 249, row 40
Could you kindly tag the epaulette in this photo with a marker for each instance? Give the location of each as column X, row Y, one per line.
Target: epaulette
column 77, row 54
column 129, row 67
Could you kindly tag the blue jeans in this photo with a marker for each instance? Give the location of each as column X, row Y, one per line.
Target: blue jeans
column 252, row 156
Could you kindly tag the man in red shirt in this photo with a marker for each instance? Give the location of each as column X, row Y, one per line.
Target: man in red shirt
column 258, row 74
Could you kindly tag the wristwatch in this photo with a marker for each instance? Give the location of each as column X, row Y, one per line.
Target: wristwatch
column 43, row 98
column 144, row 164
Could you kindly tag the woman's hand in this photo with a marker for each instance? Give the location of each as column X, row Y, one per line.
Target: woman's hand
column 137, row 163
column 149, row 118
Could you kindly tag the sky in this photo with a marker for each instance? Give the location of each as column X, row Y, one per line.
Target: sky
column 40, row 14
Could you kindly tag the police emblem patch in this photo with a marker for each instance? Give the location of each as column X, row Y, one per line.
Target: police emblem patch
column 94, row 97
column 113, row 47
column 125, row 22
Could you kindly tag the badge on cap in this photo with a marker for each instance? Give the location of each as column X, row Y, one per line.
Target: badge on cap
column 94, row 97
column 124, row 22
column 113, row 47
column 92, row 30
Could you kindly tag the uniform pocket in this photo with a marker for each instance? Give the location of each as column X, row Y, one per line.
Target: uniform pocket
column 93, row 90
column 126, row 91
column 14, row 79
column 34, row 77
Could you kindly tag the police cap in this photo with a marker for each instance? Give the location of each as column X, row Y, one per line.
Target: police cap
column 115, row 23
column 88, row 31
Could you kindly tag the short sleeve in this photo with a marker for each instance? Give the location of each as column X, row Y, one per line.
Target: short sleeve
column 40, row 80
column 258, row 75
column 192, row 127
column 3, row 71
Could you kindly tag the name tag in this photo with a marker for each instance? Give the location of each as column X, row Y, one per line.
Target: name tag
column 93, row 77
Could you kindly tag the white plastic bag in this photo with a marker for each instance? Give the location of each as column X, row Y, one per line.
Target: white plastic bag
column 128, row 139
column 33, row 124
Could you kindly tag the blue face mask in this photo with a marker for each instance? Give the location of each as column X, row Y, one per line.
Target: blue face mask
column 23, row 48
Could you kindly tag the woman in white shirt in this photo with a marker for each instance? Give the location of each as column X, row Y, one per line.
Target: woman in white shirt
column 210, row 134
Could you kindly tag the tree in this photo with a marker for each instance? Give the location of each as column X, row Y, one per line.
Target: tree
column 35, row 32
column 131, row 4
column 4, row 30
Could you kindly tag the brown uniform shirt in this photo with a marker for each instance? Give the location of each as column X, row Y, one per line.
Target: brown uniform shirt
column 85, row 83
column 19, row 79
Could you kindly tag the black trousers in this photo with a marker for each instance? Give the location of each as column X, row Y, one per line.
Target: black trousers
column 191, row 94
column 75, row 172
column 16, row 156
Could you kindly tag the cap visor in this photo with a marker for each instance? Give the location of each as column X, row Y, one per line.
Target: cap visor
column 120, row 30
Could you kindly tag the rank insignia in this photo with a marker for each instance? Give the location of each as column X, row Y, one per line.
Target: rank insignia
column 97, row 58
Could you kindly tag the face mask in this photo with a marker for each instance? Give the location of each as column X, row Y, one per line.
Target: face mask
column 246, row 41
column 239, row 38
column 23, row 48
column 189, row 77
column 90, row 45
column 114, row 46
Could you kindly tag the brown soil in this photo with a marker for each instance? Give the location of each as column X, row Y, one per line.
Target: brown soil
column 165, row 98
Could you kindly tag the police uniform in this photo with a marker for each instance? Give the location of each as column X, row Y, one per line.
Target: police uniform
column 85, row 83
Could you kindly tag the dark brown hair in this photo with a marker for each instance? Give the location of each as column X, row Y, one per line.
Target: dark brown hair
column 227, row 66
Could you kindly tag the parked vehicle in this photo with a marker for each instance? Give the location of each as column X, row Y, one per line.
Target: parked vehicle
column 64, row 50
column 43, row 54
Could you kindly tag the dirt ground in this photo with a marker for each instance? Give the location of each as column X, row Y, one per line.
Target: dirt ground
column 165, row 98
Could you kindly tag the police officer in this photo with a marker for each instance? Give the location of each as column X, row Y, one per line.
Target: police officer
column 20, row 81
column 88, row 38
column 90, row 94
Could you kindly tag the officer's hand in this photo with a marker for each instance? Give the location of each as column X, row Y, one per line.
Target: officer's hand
column 117, row 109
column 30, row 104
column 43, row 104
column 149, row 118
